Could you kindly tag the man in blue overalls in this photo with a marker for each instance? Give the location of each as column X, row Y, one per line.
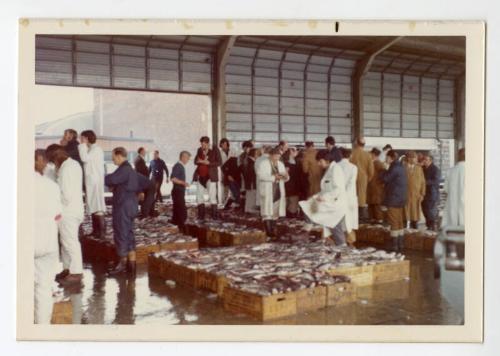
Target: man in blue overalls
column 125, row 185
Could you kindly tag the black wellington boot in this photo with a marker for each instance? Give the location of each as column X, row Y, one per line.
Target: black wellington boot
column 95, row 226
column 201, row 211
column 228, row 204
column 268, row 226
column 395, row 244
column 274, row 230
column 121, row 267
column 101, row 223
column 214, row 213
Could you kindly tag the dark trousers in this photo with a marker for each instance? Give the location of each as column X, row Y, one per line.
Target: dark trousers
column 147, row 205
column 179, row 214
column 430, row 210
column 123, row 230
column 234, row 187
column 158, row 183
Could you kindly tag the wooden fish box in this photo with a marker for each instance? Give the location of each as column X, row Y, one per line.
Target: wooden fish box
column 311, row 299
column 155, row 265
column 243, row 239
column 211, row 281
column 180, row 274
column 258, row 306
column 176, row 246
column 429, row 242
column 143, row 251
column 170, row 229
column 340, row 294
column 391, row 272
column 383, row 292
column 359, row 275
column 214, row 238
column 62, row 313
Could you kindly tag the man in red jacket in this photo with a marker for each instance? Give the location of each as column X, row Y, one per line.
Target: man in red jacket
column 208, row 161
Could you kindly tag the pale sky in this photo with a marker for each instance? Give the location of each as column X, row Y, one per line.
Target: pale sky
column 54, row 102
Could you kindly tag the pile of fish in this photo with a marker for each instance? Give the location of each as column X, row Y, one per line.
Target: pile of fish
column 147, row 231
column 268, row 269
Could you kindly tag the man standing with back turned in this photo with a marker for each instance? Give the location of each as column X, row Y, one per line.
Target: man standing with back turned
column 156, row 168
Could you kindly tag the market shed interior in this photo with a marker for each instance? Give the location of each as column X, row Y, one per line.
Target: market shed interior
column 408, row 90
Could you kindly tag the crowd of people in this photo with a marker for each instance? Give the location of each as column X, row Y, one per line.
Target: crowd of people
column 334, row 187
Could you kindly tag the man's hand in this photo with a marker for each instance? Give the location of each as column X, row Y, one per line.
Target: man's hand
column 231, row 179
column 140, row 196
column 186, row 184
column 320, row 198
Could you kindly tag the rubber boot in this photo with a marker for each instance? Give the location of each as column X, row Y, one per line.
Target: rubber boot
column 228, row 204
column 214, row 212
column 131, row 264
column 121, row 267
column 101, row 222
column 274, row 230
column 401, row 242
column 201, row 211
column 268, row 225
column 95, row 226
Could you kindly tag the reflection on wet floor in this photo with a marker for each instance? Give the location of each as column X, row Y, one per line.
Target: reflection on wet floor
column 148, row 300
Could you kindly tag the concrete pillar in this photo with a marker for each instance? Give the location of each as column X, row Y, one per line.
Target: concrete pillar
column 459, row 114
column 219, row 89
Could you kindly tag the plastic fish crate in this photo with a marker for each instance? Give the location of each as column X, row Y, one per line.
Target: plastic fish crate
column 211, row 281
column 311, row 298
column 359, row 275
column 391, row 271
column 340, row 294
column 258, row 306
column 62, row 313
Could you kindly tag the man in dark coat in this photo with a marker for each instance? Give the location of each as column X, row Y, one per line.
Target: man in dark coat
column 147, row 196
column 179, row 214
column 333, row 151
column 207, row 161
column 124, row 183
column 396, row 187
column 232, row 178
column 70, row 144
column 156, row 168
column 432, row 176
column 140, row 163
column 250, row 178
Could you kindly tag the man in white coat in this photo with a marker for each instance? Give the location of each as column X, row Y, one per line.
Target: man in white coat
column 350, row 174
column 272, row 176
column 262, row 158
column 92, row 157
column 69, row 178
column 329, row 207
column 47, row 215
column 453, row 215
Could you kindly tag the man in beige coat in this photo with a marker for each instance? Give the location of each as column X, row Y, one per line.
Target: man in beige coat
column 311, row 169
column 416, row 189
column 363, row 160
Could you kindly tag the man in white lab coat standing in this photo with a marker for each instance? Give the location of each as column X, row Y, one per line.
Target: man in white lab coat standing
column 264, row 156
column 329, row 207
column 47, row 203
column 350, row 174
column 272, row 176
column 453, row 214
column 69, row 178
column 92, row 157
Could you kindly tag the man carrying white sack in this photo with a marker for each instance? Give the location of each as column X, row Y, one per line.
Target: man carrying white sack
column 92, row 157
column 329, row 207
column 350, row 174
column 272, row 176
column 69, row 178
column 47, row 215
column 453, row 214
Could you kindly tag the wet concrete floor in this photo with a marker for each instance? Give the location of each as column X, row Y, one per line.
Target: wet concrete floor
column 148, row 300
